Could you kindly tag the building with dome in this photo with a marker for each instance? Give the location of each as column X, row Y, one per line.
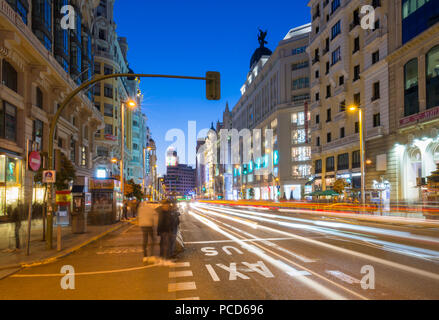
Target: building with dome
column 275, row 96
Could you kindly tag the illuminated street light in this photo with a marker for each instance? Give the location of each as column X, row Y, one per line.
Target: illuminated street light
column 131, row 104
column 354, row 108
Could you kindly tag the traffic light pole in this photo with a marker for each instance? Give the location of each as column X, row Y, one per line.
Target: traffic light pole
column 213, row 91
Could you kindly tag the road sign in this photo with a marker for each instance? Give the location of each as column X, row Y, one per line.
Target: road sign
column 49, row 176
column 34, row 161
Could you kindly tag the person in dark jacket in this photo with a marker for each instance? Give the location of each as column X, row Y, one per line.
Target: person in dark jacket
column 175, row 223
column 164, row 230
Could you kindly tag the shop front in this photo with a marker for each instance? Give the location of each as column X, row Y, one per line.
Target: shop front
column 11, row 184
column 418, row 160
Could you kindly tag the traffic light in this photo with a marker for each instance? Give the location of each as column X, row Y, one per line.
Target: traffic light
column 213, row 85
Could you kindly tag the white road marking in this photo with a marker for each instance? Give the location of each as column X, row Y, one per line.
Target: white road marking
column 298, row 273
column 260, row 268
column 188, row 299
column 180, row 265
column 343, row 276
column 212, row 273
column 181, row 286
column 234, row 274
column 180, row 274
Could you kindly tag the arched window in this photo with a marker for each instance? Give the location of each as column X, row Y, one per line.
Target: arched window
column 433, row 78
column 411, row 92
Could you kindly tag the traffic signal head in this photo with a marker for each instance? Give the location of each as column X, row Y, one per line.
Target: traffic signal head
column 213, row 85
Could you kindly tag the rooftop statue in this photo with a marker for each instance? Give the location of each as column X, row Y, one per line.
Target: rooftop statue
column 261, row 38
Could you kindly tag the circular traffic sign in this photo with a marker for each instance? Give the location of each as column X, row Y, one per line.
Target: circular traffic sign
column 34, row 161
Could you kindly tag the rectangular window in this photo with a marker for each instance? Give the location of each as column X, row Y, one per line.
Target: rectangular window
column 73, row 151
column 336, row 30
column 328, row 91
column 301, row 154
column 108, row 91
column 342, row 133
column 299, row 50
column 343, row 161
column 328, row 137
column 341, row 80
column 375, row 57
column 376, row 91
column 108, row 110
column 328, row 115
column 357, row 99
column 356, row 45
column 335, row 5
column 342, row 106
column 356, row 73
column 357, row 127
column 97, row 68
column 336, row 56
column 300, row 65
column 318, row 166
column 109, row 129
column 38, row 133
column 9, row 76
column 330, row 164
column 9, row 122
column 300, row 83
column 108, row 69
column 356, row 159
column 376, row 120
column 39, row 98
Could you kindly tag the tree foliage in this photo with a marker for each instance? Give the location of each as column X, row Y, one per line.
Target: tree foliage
column 134, row 190
column 339, row 186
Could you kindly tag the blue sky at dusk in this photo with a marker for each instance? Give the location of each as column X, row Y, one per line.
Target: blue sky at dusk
column 192, row 37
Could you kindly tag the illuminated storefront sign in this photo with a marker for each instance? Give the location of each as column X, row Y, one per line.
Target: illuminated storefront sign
column 275, row 157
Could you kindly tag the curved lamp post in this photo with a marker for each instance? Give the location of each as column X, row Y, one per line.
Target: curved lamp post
column 213, row 93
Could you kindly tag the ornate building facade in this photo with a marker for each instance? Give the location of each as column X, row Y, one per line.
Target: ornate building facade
column 40, row 64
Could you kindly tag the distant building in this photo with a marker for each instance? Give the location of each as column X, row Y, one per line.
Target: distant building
column 180, row 178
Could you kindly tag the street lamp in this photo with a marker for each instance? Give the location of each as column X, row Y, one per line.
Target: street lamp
column 354, row 108
column 132, row 104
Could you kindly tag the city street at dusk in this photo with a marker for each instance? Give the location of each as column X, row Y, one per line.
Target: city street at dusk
column 220, row 159
column 245, row 253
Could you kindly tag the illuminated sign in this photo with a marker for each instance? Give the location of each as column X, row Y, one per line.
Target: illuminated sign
column 101, row 173
column 276, row 157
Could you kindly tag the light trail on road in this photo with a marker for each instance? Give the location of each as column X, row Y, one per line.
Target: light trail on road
column 276, row 263
column 412, row 251
column 367, row 257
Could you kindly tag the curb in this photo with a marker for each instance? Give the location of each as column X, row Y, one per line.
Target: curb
column 66, row 252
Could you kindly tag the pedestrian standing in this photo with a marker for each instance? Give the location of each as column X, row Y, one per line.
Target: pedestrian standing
column 164, row 230
column 175, row 223
column 125, row 210
column 148, row 220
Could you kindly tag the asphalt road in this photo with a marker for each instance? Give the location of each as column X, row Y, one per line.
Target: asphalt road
column 242, row 253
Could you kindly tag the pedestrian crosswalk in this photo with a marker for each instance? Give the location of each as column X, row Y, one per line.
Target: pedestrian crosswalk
column 183, row 287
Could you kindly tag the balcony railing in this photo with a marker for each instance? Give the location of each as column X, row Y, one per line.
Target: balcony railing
column 355, row 138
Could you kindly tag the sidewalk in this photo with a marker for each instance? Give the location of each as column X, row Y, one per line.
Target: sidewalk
column 15, row 259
